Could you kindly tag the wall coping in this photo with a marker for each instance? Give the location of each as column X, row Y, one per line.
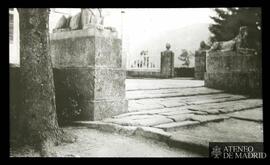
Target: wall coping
column 143, row 70
column 11, row 65
column 90, row 32
column 240, row 52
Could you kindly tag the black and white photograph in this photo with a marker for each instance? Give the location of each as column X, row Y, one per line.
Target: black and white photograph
column 136, row 82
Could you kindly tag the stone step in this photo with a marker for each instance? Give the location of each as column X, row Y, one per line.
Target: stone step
column 186, row 120
column 162, row 93
column 158, row 103
column 227, row 107
column 190, row 143
column 175, row 125
column 150, row 120
column 152, row 84
column 250, row 115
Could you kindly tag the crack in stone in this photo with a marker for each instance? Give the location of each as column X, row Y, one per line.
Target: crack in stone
column 171, row 118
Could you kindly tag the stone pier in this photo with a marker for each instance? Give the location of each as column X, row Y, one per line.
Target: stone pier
column 200, row 65
column 167, row 63
column 234, row 71
column 89, row 76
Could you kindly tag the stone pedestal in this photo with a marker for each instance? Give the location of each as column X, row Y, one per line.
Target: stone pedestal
column 234, row 71
column 200, row 65
column 89, row 77
column 14, row 100
column 167, row 64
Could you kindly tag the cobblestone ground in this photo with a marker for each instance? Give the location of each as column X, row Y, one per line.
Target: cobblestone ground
column 183, row 110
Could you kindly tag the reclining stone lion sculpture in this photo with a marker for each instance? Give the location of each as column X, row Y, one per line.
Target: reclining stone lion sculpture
column 82, row 20
column 240, row 41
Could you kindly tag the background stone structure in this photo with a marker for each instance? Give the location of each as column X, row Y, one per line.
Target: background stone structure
column 234, row 71
column 143, row 73
column 167, row 64
column 200, row 64
column 183, row 72
column 89, row 76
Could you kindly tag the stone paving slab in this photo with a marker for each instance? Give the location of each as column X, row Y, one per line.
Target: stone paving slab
column 135, row 105
column 181, row 117
column 153, row 133
column 177, row 111
column 172, row 103
column 189, row 142
column 152, row 111
column 157, row 103
column 214, row 98
column 209, row 118
column 231, row 130
column 145, row 120
column 200, row 113
column 252, row 115
column 146, row 84
column 210, row 112
column 227, row 107
column 162, row 93
column 148, row 132
column 176, row 125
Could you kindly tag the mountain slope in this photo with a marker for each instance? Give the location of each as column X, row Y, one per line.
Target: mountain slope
column 188, row 38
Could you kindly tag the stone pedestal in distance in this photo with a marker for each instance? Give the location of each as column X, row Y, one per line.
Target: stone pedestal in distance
column 89, row 77
column 167, row 64
column 200, row 65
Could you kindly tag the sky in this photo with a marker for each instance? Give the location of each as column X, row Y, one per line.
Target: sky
column 140, row 23
column 136, row 25
column 149, row 22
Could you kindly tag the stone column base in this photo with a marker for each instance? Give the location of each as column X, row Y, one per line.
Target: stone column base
column 100, row 109
column 89, row 93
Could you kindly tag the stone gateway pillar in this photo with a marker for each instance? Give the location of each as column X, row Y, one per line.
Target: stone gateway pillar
column 167, row 63
column 200, row 64
column 89, row 76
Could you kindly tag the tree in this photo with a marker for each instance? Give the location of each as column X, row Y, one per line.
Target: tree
column 228, row 21
column 39, row 126
column 184, row 56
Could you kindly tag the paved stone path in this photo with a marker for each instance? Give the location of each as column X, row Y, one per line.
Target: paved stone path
column 184, row 113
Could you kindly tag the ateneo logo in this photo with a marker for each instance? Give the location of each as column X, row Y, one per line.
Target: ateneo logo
column 216, row 152
column 236, row 150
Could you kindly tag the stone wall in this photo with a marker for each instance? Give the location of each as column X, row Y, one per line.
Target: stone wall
column 143, row 73
column 183, row 72
column 155, row 73
column 200, row 65
column 234, row 71
column 89, row 76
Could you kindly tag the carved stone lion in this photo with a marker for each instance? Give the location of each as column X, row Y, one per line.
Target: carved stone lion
column 84, row 19
column 240, row 41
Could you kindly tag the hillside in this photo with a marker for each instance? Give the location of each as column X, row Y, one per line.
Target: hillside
column 187, row 38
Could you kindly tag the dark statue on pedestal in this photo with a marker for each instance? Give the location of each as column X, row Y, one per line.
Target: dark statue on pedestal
column 167, row 62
